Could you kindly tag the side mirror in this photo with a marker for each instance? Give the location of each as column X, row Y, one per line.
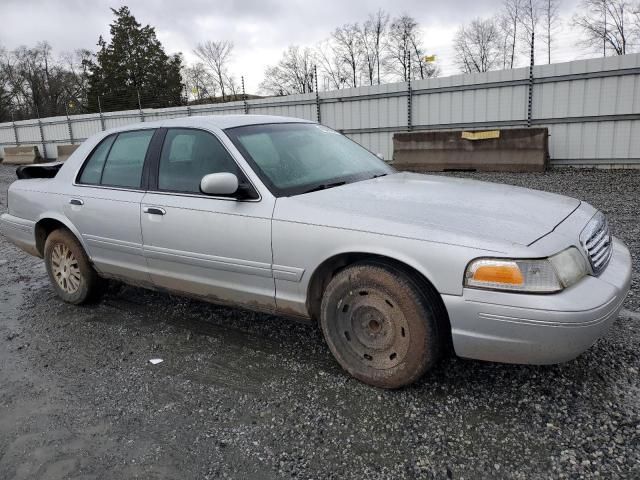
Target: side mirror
column 219, row 184
column 380, row 156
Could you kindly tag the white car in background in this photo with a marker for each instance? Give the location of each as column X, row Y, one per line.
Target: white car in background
column 290, row 217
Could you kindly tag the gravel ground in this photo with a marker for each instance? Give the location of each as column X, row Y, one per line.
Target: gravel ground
column 246, row 395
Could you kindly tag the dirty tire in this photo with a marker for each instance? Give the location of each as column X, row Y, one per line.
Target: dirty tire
column 381, row 324
column 70, row 272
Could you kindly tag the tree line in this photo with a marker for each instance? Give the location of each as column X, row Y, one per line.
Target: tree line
column 131, row 69
column 610, row 27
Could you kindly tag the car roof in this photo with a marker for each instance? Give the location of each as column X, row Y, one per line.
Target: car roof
column 215, row 121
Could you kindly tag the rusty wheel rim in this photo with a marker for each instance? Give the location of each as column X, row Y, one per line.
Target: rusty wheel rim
column 370, row 328
column 65, row 268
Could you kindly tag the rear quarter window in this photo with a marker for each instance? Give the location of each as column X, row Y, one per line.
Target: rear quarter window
column 92, row 170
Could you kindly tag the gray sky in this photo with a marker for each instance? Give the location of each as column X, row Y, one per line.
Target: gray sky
column 260, row 29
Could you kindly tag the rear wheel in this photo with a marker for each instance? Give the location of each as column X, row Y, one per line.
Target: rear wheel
column 380, row 325
column 70, row 272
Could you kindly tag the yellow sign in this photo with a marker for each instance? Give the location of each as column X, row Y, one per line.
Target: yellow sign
column 481, row 135
column 429, row 58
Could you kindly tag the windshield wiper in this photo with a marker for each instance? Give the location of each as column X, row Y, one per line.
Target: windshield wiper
column 325, row 186
column 379, row 175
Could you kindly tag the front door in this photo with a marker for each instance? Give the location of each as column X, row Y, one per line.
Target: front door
column 215, row 248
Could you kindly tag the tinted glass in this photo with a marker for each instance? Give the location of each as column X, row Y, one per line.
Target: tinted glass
column 187, row 156
column 92, row 170
column 126, row 159
column 295, row 157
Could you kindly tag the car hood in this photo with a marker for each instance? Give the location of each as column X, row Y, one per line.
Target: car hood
column 428, row 206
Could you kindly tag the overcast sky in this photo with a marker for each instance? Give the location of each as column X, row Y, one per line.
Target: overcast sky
column 260, row 29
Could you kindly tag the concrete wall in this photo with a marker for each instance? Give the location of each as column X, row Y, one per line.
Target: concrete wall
column 591, row 108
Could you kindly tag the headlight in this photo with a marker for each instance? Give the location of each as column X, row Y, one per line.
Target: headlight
column 546, row 275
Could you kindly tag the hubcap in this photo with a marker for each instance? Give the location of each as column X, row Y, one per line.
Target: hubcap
column 371, row 327
column 65, row 268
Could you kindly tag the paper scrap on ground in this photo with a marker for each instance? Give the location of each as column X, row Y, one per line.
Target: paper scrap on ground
column 156, row 361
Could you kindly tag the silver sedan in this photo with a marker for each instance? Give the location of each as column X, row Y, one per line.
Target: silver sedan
column 290, row 217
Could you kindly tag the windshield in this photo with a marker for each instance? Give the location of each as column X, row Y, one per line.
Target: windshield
column 295, row 158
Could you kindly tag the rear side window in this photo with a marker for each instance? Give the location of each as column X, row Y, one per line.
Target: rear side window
column 123, row 167
column 118, row 160
column 92, row 170
column 187, row 156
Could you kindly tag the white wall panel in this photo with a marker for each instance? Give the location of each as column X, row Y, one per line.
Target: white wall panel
column 563, row 93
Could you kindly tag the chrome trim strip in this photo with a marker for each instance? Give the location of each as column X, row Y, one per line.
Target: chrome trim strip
column 292, row 274
column 113, row 244
column 209, row 261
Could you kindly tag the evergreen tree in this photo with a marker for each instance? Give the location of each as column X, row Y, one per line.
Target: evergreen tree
column 133, row 63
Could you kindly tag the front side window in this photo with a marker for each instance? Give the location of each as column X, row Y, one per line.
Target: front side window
column 118, row 160
column 294, row 158
column 187, row 156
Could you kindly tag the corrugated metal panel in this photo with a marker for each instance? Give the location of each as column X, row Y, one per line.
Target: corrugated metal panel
column 566, row 98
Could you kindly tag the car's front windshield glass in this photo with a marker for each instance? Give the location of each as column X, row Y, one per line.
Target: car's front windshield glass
column 295, row 158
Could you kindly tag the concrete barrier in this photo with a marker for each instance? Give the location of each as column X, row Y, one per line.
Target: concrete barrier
column 21, row 155
column 508, row 150
column 65, row 151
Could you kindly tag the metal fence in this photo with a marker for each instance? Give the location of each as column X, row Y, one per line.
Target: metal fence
column 591, row 107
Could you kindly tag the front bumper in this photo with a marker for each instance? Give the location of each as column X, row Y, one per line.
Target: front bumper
column 539, row 329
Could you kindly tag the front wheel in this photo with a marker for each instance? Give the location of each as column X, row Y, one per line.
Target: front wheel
column 70, row 272
column 381, row 325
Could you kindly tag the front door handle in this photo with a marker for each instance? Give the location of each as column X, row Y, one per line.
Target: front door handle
column 75, row 201
column 154, row 210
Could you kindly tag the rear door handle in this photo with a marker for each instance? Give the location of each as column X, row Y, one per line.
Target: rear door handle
column 154, row 211
column 75, row 201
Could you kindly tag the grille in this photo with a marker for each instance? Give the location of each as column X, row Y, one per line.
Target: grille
column 596, row 240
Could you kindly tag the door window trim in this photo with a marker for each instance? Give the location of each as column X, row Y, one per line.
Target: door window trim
column 154, row 171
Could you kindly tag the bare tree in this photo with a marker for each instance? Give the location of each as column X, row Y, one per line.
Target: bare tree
column 529, row 21
column 77, row 84
column 509, row 22
column 38, row 83
column 550, row 17
column 478, row 46
column 216, row 56
column 405, row 53
column 199, row 83
column 332, row 67
column 373, row 37
column 5, row 95
column 234, row 86
column 292, row 74
column 348, row 48
column 606, row 25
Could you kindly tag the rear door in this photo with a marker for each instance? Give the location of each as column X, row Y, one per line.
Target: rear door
column 216, row 248
column 104, row 204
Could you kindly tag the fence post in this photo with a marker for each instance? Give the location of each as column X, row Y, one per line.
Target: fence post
column 101, row 116
column 244, row 97
column 44, row 147
column 15, row 130
column 409, row 95
column 69, row 125
column 140, row 106
column 315, row 78
column 530, row 99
